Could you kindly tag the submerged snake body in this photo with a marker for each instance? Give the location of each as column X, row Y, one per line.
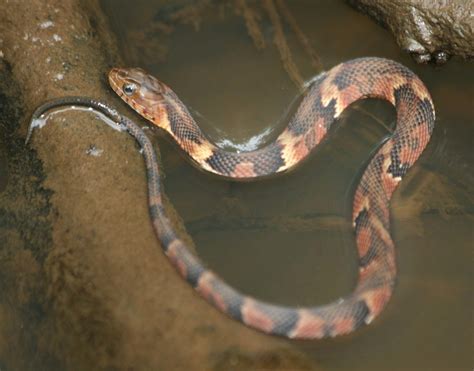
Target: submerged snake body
column 324, row 102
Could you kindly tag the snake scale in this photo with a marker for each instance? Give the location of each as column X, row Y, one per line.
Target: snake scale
column 323, row 103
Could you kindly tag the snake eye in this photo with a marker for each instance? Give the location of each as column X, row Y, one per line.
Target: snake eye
column 129, row 88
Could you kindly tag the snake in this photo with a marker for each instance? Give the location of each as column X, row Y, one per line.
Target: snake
column 322, row 104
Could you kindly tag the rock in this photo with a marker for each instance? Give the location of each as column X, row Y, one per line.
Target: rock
column 431, row 30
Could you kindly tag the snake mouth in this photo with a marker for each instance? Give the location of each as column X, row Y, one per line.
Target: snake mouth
column 113, row 82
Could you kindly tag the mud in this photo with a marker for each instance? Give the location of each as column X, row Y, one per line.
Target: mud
column 430, row 30
column 84, row 284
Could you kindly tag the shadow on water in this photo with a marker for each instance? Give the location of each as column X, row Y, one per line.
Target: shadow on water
column 289, row 239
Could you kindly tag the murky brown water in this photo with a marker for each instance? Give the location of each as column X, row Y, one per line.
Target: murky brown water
column 288, row 239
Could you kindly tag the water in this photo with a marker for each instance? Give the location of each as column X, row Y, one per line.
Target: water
column 288, row 239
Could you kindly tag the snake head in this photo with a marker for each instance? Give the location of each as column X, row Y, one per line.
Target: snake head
column 141, row 91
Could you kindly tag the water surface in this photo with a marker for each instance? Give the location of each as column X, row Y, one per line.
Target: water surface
column 288, row 239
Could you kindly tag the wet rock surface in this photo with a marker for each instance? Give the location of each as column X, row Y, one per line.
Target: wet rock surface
column 431, row 30
column 84, row 283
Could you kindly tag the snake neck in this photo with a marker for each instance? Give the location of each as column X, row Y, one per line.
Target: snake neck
column 323, row 103
column 274, row 157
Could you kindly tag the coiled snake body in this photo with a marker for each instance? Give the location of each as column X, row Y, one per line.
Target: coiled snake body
column 327, row 97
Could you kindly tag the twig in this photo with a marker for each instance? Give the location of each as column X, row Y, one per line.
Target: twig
column 191, row 14
column 251, row 21
column 315, row 60
column 281, row 44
